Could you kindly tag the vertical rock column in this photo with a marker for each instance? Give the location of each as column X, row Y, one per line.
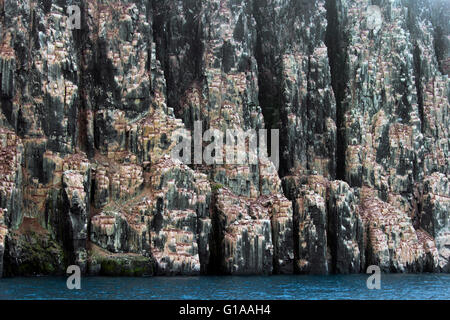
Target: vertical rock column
column 345, row 229
column 75, row 209
column 280, row 211
column 387, row 110
column 391, row 240
column 431, row 50
column 179, row 224
column 436, row 218
column 295, row 82
column 243, row 234
column 309, row 196
column 3, row 233
column 214, row 44
column 11, row 153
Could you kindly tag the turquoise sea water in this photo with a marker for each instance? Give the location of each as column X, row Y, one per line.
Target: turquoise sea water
column 393, row 286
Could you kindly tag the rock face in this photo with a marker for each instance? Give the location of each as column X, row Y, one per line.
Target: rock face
column 31, row 250
column 359, row 91
column 309, row 196
column 3, row 234
column 391, row 239
column 435, row 217
column 11, row 151
column 252, row 236
column 345, row 229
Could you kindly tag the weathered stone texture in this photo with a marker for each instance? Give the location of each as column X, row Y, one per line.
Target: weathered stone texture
column 3, row 234
column 11, row 155
column 391, row 240
column 345, row 228
column 88, row 116
column 435, row 215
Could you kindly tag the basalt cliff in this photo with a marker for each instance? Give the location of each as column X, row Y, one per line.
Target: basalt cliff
column 358, row 89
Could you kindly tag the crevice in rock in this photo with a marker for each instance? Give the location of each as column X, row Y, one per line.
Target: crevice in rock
column 337, row 43
column 269, row 81
column 276, row 269
column 331, row 237
column 440, row 48
column 411, row 22
column 215, row 240
column 440, row 17
column 418, row 83
column 295, row 232
column 81, row 37
column 179, row 41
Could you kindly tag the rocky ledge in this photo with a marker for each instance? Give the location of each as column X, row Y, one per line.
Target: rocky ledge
column 359, row 91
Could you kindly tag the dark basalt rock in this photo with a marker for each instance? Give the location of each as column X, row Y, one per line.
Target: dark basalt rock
column 345, row 228
column 359, row 90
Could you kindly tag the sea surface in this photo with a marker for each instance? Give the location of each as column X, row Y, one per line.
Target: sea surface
column 293, row 287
